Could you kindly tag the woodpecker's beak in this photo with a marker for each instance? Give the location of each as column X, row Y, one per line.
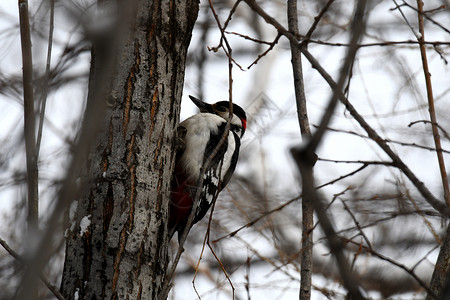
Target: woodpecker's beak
column 203, row 106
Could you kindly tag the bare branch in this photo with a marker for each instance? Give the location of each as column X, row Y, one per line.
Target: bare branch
column 410, row 271
column 29, row 117
column 424, row 14
column 272, row 45
column 30, row 145
column 316, row 21
column 447, row 136
column 397, row 161
column 46, row 77
column 380, row 44
column 431, row 109
column 389, row 141
column 287, row 203
column 305, row 160
column 14, row 254
column 306, row 257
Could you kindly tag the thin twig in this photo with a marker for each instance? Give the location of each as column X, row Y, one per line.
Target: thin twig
column 364, row 162
column 397, row 264
column 369, row 244
column 431, row 109
column 14, row 254
column 287, row 203
column 425, row 257
column 205, row 238
column 423, row 13
column 222, row 267
column 230, row 96
column 230, row 15
column 425, row 220
column 223, row 37
column 437, row 141
column 379, row 44
column 447, row 136
column 207, row 242
column 424, row 191
column 246, row 37
column 382, row 143
column 316, row 22
column 387, row 141
column 333, row 199
column 46, row 78
column 416, row 34
column 272, row 45
column 371, row 250
column 247, row 276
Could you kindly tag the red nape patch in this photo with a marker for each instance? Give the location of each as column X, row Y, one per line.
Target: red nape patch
column 244, row 123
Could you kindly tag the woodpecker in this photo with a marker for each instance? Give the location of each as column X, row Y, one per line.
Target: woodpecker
column 199, row 137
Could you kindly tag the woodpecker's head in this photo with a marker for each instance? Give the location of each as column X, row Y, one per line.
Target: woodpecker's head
column 221, row 108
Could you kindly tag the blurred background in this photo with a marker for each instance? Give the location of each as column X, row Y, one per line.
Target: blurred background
column 256, row 227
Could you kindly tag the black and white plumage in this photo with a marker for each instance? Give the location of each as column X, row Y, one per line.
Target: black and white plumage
column 201, row 133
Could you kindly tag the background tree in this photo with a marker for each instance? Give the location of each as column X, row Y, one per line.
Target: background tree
column 118, row 192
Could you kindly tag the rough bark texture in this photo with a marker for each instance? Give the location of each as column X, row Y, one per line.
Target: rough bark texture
column 440, row 281
column 122, row 253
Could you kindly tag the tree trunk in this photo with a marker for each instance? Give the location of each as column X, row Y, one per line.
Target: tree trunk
column 440, row 281
column 117, row 238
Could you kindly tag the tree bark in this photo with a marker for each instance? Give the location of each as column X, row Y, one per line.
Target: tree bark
column 117, row 238
column 440, row 281
column 306, row 252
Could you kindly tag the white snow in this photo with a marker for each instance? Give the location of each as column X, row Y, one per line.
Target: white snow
column 84, row 224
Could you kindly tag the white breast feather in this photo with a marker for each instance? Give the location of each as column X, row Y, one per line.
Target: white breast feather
column 198, row 128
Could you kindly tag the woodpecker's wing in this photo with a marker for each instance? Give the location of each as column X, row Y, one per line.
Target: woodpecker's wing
column 177, row 210
column 222, row 166
column 230, row 159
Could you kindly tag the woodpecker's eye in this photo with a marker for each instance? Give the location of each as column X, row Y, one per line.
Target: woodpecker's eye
column 222, row 109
